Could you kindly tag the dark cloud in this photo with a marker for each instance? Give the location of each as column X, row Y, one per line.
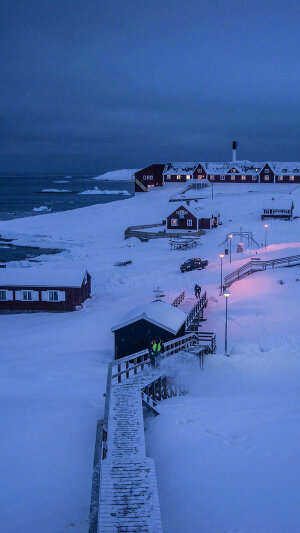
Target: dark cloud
column 87, row 86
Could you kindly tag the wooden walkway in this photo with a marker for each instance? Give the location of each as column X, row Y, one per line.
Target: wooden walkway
column 256, row 265
column 126, row 491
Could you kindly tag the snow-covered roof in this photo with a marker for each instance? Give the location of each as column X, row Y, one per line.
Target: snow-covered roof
column 242, row 167
column 125, row 174
column 40, row 277
column 159, row 313
column 277, row 203
column 180, row 168
column 194, row 209
column 287, row 167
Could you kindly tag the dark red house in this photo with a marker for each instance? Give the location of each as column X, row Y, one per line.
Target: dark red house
column 151, row 176
column 36, row 289
column 192, row 218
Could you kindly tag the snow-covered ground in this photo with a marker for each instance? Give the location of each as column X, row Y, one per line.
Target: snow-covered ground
column 226, row 455
column 125, row 174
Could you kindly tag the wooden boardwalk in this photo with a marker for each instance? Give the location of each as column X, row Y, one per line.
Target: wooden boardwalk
column 126, row 492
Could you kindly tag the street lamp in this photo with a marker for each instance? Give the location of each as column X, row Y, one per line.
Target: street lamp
column 266, row 231
column 221, row 257
column 226, row 294
column 230, row 237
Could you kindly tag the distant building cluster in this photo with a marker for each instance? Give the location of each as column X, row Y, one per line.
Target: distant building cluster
column 159, row 175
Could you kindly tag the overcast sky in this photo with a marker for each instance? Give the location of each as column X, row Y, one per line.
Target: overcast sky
column 92, row 85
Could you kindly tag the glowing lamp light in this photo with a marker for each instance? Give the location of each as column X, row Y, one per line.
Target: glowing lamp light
column 230, row 236
column 266, row 225
column 226, row 293
column 221, row 255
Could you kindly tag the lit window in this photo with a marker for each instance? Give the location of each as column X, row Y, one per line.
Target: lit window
column 232, row 178
column 212, row 177
column 174, row 222
column 188, row 177
column 280, row 178
column 222, row 178
column 27, row 296
column 168, row 176
column 253, row 178
column 189, row 222
column 53, row 296
column 292, row 178
column 178, row 176
column 267, row 178
column 2, row 295
column 243, row 178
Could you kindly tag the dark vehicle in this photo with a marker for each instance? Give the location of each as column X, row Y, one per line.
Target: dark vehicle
column 193, row 264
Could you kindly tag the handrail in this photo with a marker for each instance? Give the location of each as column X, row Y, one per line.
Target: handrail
column 255, row 265
column 179, row 299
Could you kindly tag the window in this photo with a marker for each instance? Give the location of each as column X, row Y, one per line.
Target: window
column 200, row 176
column 181, row 213
column 212, row 177
column 189, row 222
column 178, row 176
column 174, row 222
column 267, row 171
column 267, row 178
column 253, row 178
column 292, row 178
column 150, row 177
column 280, row 178
column 243, row 178
column 144, row 177
column 53, row 296
column 222, row 178
column 188, row 176
column 232, row 178
column 168, row 176
column 2, row 295
column 27, row 296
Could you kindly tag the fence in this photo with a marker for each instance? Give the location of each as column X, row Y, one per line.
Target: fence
column 179, row 299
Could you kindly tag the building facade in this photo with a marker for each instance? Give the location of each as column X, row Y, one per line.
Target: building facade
column 151, row 176
column 33, row 290
column 187, row 217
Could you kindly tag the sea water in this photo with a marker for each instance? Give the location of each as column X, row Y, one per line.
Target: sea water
column 21, row 196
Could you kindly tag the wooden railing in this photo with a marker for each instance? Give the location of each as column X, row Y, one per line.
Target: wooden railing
column 141, row 185
column 255, row 265
column 132, row 364
column 179, row 299
column 201, row 304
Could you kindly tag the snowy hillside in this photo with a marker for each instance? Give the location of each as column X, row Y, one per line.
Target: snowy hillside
column 125, row 174
column 226, row 454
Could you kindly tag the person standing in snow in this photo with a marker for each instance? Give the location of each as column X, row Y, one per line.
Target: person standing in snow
column 158, row 351
column 199, row 291
column 196, row 291
column 152, row 353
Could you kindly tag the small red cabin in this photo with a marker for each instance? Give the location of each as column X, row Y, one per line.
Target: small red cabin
column 37, row 289
column 151, row 176
column 192, row 218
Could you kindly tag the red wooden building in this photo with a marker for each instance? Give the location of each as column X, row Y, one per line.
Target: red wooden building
column 188, row 217
column 36, row 289
column 151, row 176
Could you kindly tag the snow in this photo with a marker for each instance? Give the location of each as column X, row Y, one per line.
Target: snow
column 226, row 454
column 99, row 191
column 277, row 203
column 41, row 209
column 55, row 190
column 158, row 312
column 181, row 168
column 41, row 276
column 126, row 174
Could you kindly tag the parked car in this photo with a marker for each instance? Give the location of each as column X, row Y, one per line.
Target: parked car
column 193, row 264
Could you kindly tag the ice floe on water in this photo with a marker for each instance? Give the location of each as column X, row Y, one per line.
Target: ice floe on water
column 42, row 208
column 99, row 191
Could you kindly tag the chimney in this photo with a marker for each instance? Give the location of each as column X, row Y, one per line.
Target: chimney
column 234, row 147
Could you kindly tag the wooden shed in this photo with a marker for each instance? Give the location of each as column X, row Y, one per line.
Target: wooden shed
column 37, row 289
column 281, row 208
column 154, row 319
column 188, row 217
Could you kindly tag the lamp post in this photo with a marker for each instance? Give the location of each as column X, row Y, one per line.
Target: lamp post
column 226, row 294
column 266, row 232
column 221, row 287
column 230, row 237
